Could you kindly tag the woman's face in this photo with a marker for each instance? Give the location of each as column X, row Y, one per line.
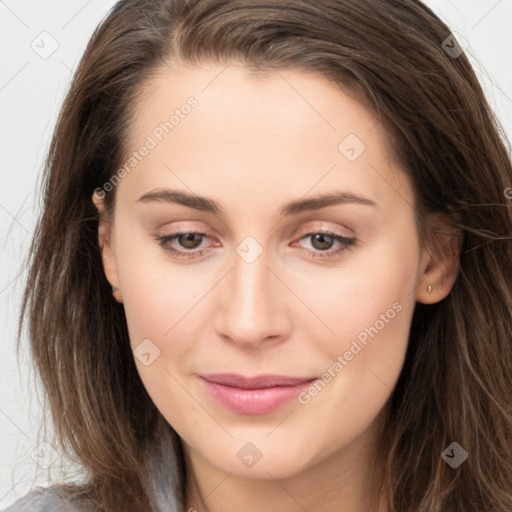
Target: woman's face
column 259, row 290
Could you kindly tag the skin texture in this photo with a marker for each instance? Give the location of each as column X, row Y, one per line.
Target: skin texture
column 252, row 144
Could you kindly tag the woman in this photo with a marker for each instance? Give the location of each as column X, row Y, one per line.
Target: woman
column 274, row 266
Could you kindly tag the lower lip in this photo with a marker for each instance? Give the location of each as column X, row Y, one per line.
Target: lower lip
column 254, row 401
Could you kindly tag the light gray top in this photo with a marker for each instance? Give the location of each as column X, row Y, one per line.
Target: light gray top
column 164, row 492
column 42, row 500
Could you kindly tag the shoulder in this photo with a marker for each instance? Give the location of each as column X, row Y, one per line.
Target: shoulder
column 46, row 499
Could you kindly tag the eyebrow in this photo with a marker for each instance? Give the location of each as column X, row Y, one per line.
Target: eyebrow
column 295, row 207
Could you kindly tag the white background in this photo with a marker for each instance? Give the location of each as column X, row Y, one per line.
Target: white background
column 31, row 92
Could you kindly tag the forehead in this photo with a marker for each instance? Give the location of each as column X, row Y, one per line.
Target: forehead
column 285, row 130
column 240, row 97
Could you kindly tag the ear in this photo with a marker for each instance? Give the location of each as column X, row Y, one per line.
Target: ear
column 106, row 243
column 439, row 264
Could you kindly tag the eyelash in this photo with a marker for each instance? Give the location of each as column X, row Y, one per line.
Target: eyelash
column 348, row 243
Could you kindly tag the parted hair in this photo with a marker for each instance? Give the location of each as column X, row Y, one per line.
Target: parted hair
column 456, row 382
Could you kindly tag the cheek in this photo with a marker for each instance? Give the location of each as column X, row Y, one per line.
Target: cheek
column 368, row 308
column 157, row 293
column 359, row 365
column 369, row 294
column 167, row 307
column 159, row 300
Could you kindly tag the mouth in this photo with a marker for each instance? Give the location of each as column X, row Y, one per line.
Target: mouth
column 254, row 395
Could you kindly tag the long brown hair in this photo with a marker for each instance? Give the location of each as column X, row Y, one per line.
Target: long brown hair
column 456, row 383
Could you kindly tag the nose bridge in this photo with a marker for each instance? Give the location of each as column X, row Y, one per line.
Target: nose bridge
column 251, row 310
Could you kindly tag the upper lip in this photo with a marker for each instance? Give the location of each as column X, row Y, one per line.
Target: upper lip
column 257, row 382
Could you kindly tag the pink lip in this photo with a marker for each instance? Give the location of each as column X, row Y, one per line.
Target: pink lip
column 254, row 395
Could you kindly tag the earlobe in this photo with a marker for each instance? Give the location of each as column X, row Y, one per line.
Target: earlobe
column 105, row 242
column 439, row 267
column 116, row 293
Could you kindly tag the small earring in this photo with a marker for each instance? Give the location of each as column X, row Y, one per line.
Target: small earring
column 429, row 288
column 116, row 293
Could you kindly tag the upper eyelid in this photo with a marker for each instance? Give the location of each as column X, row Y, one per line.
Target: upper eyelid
column 319, row 226
column 322, row 229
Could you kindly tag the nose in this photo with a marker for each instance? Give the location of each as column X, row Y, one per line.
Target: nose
column 253, row 307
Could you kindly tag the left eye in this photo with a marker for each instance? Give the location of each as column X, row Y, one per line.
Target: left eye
column 190, row 241
column 322, row 238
